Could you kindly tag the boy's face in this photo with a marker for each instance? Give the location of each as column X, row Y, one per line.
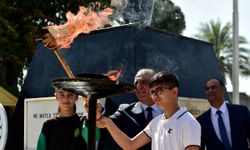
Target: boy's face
column 66, row 100
column 162, row 95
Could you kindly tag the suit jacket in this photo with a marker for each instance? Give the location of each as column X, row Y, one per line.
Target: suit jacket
column 131, row 120
column 239, row 118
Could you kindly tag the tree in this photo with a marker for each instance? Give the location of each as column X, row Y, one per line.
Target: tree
column 15, row 43
column 168, row 17
column 221, row 38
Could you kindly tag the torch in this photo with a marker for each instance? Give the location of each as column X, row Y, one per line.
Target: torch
column 65, row 66
column 61, row 36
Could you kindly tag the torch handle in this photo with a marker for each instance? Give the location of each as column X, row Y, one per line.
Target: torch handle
column 65, row 66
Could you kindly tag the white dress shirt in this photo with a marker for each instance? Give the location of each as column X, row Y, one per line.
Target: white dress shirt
column 155, row 110
column 225, row 117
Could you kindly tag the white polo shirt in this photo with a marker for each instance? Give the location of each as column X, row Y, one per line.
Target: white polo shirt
column 174, row 133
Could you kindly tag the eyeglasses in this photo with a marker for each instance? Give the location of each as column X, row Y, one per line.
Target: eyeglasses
column 158, row 91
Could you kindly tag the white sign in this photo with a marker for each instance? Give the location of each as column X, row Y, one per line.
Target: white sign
column 36, row 111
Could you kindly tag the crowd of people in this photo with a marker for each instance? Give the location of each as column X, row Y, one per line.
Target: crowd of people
column 154, row 122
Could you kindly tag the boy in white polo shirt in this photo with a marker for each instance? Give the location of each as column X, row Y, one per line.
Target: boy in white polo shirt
column 175, row 129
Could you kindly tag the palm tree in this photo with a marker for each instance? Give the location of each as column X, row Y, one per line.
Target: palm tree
column 221, row 38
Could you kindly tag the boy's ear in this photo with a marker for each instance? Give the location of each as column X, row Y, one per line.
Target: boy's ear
column 56, row 96
column 175, row 91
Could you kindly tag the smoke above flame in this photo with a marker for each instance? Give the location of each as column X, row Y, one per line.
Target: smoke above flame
column 86, row 20
column 124, row 12
column 137, row 12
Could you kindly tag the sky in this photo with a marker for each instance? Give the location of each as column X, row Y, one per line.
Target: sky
column 202, row 11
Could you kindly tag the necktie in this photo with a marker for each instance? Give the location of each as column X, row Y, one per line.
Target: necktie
column 149, row 115
column 223, row 132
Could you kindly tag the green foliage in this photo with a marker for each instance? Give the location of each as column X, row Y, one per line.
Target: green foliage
column 14, row 49
column 168, row 17
column 221, row 38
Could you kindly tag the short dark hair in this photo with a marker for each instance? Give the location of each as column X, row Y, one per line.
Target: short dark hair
column 164, row 77
column 221, row 81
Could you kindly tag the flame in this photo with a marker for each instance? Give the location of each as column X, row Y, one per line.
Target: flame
column 86, row 20
column 114, row 74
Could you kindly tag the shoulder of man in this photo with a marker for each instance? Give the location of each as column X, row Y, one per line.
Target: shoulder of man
column 126, row 106
column 204, row 115
column 123, row 114
column 237, row 108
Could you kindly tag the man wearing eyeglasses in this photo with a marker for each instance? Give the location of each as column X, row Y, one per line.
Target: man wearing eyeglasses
column 133, row 118
column 176, row 129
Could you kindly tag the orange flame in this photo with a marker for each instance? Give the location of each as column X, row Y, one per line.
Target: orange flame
column 114, row 74
column 86, row 20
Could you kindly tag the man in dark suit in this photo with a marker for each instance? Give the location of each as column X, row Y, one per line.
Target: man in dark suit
column 224, row 126
column 133, row 118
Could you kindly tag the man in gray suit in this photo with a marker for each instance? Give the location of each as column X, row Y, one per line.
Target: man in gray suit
column 133, row 118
